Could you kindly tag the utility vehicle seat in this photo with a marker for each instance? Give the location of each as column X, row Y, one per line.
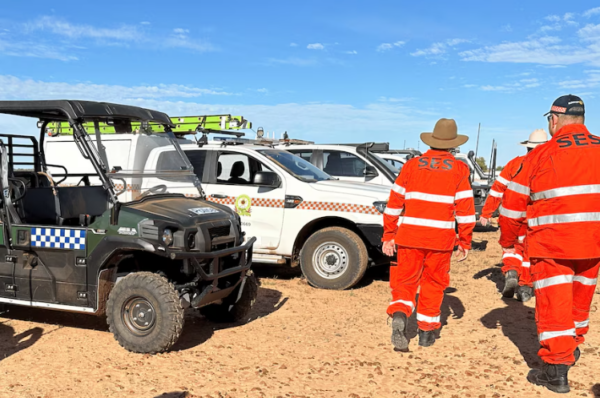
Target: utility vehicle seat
column 39, row 206
column 237, row 170
column 84, row 200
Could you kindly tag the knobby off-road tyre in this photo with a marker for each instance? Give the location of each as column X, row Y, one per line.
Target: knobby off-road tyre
column 334, row 258
column 144, row 313
column 229, row 311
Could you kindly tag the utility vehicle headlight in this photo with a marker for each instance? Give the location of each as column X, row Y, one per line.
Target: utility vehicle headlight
column 380, row 206
column 168, row 237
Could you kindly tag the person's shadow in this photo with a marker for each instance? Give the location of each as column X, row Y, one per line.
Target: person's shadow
column 517, row 322
column 451, row 306
column 493, row 274
column 11, row 343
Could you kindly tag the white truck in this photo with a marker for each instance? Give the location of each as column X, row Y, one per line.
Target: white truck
column 298, row 214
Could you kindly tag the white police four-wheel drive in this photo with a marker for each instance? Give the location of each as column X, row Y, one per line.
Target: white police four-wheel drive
column 298, row 214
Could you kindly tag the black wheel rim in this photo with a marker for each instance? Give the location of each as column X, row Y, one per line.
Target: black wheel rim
column 139, row 316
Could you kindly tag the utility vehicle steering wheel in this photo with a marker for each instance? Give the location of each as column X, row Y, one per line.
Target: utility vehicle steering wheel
column 15, row 183
column 154, row 190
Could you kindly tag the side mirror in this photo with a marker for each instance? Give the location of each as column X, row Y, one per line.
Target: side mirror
column 471, row 155
column 266, row 179
column 370, row 172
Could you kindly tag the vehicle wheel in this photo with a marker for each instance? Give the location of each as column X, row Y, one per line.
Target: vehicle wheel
column 230, row 311
column 334, row 258
column 144, row 313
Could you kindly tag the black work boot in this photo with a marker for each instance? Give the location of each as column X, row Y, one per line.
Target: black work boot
column 524, row 293
column 399, row 339
column 426, row 338
column 553, row 377
column 511, row 283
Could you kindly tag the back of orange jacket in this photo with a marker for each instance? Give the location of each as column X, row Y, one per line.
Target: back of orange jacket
column 432, row 192
column 557, row 192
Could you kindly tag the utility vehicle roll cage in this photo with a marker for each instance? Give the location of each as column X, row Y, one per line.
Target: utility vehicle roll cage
column 76, row 113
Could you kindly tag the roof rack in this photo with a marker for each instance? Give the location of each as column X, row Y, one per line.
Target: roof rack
column 371, row 146
column 183, row 125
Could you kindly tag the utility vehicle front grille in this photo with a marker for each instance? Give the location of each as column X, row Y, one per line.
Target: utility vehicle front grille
column 217, row 232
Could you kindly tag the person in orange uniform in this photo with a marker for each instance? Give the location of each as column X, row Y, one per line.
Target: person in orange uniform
column 431, row 193
column 516, row 265
column 557, row 192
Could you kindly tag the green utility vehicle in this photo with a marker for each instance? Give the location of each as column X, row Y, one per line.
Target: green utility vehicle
column 140, row 262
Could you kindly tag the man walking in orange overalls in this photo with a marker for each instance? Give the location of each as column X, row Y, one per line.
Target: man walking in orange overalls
column 516, row 265
column 433, row 191
column 558, row 192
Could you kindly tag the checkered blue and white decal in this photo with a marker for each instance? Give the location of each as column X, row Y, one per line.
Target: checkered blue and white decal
column 58, row 238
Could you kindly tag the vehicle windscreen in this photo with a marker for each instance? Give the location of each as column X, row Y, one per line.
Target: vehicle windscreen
column 296, row 166
column 171, row 172
column 391, row 166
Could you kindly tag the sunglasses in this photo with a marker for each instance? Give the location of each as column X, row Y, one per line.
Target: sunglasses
column 549, row 117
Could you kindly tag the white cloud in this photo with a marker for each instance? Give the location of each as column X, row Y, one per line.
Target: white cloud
column 553, row 18
column 470, row 85
column 293, row 45
column 292, row 61
column 144, row 23
column 34, row 50
column 262, row 90
column 591, row 12
column 61, row 27
column 352, row 52
column 506, row 28
column 315, row 46
column 388, row 46
column 512, row 87
column 437, row 49
column 547, row 50
column 181, row 39
column 12, row 87
column 380, row 117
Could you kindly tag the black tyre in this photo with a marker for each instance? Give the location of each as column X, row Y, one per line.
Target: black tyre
column 334, row 258
column 144, row 313
column 230, row 310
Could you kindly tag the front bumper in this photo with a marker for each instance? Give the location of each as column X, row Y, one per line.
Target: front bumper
column 221, row 264
column 373, row 234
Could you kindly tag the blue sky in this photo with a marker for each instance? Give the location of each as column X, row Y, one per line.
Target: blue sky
column 379, row 70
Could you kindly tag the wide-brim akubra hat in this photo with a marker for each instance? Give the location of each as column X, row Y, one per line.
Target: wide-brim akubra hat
column 444, row 136
column 536, row 138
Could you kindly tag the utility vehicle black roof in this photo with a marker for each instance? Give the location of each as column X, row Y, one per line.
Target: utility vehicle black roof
column 63, row 110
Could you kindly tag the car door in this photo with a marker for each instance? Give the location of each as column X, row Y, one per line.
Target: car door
column 344, row 165
column 260, row 208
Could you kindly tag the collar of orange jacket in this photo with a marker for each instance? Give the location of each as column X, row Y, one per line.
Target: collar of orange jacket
column 436, row 153
column 570, row 129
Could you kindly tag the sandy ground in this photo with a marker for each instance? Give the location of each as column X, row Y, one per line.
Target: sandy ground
column 300, row 342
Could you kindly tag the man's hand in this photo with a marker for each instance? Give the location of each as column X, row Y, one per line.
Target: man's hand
column 462, row 253
column 484, row 221
column 389, row 248
column 509, row 250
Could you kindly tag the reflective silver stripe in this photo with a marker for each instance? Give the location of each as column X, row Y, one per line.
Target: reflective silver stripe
column 513, row 186
column 463, row 195
column 429, row 197
column 424, row 222
column 585, row 281
column 522, row 239
column 555, row 280
column 512, row 213
column 398, row 189
column 582, row 324
column 47, row 305
column 429, row 319
column 526, row 264
column 566, row 191
column 407, row 303
column 502, row 180
column 495, row 194
column 466, row 219
column 512, row 255
column 550, row 335
column 392, row 212
column 563, row 219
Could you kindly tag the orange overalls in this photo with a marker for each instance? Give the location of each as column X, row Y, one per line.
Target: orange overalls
column 518, row 261
column 432, row 192
column 557, row 192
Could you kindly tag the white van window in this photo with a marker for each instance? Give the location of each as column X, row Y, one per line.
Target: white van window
column 343, row 164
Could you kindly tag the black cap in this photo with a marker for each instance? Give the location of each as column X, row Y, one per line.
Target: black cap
column 568, row 105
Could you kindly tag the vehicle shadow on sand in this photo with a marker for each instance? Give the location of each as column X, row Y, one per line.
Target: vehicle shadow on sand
column 11, row 343
column 198, row 329
column 516, row 320
column 173, row 394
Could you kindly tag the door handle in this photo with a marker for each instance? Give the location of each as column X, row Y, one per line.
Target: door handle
column 218, row 196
